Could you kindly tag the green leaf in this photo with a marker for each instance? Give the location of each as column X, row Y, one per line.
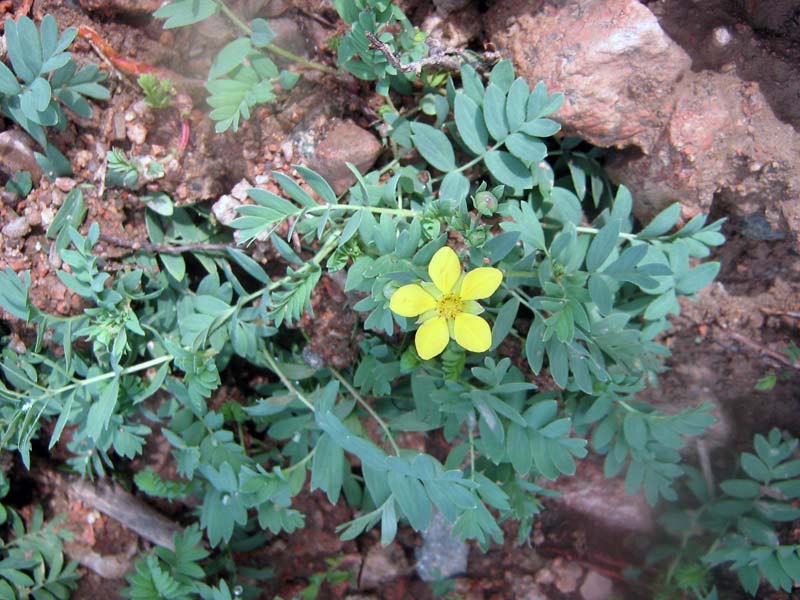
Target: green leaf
column 494, row 112
column 754, row 467
column 516, row 102
column 541, row 128
column 508, row 169
column 327, row 471
column 518, row 447
column 635, row 428
column 470, row 125
column 698, row 278
column 526, row 148
column 231, row 56
column 434, row 146
column 602, row 245
column 8, row 82
column 317, row 183
column 262, row 34
column 454, row 187
column 757, row 531
column 412, row 499
column 502, row 75
column 663, row 222
column 180, row 13
column 741, row 488
column 504, row 321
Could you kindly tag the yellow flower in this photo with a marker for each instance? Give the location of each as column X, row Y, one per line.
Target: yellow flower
column 447, row 308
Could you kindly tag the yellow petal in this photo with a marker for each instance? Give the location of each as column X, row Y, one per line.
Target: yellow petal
column 445, row 269
column 432, row 337
column 411, row 301
column 480, row 283
column 472, row 332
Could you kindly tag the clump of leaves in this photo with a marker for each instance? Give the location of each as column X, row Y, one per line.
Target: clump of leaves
column 44, row 78
column 32, row 561
column 20, row 184
column 243, row 74
column 738, row 524
column 158, row 93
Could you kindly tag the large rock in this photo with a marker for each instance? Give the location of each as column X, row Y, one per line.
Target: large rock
column 696, row 137
column 610, row 58
column 722, row 141
column 602, row 502
column 345, row 143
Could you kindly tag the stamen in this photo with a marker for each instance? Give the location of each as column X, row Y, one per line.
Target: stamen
column 449, row 305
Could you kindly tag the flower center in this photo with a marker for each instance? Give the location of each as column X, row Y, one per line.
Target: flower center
column 449, row 305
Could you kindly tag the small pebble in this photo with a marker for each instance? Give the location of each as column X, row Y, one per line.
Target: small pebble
column 442, row 555
column 722, row 37
column 17, row 228
column 137, row 133
column 65, row 184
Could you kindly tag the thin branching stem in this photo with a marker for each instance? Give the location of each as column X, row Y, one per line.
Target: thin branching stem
column 246, row 29
column 366, row 406
column 273, row 364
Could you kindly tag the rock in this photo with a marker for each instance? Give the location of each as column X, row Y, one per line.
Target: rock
column 442, row 555
column 596, row 587
column 602, row 502
column 289, row 36
column 65, row 184
column 224, row 209
column 136, row 132
column 721, row 143
column 17, row 228
column 16, row 154
column 382, row 565
column 610, row 58
column 565, row 575
column 345, row 142
column 130, row 7
column 705, row 118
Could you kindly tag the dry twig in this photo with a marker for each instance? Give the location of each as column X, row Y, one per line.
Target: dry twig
column 441, row 56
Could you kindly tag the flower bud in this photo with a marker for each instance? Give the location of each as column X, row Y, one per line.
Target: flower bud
column 485, row 203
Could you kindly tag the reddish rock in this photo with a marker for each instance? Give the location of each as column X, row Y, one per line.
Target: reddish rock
column 601, row 502
column 685, row 134
column 722, row 142
column 345, row 143
column 610, row 58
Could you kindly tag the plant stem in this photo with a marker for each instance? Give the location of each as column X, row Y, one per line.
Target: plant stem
column 470, row 424
column 595, row 231
column 300, row 463
column 272, row 47
column 365, row 405
column 273, row 364
column 400, row 212
column 111, row 374
column 300, row 60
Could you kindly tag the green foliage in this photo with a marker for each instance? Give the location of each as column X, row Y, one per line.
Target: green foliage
column 740, row 525
column 583, row 299
column 242, row 75
column 158, row 93
column 32, row 561
column 45, row 78
column 20, row 184
column 380, row 18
